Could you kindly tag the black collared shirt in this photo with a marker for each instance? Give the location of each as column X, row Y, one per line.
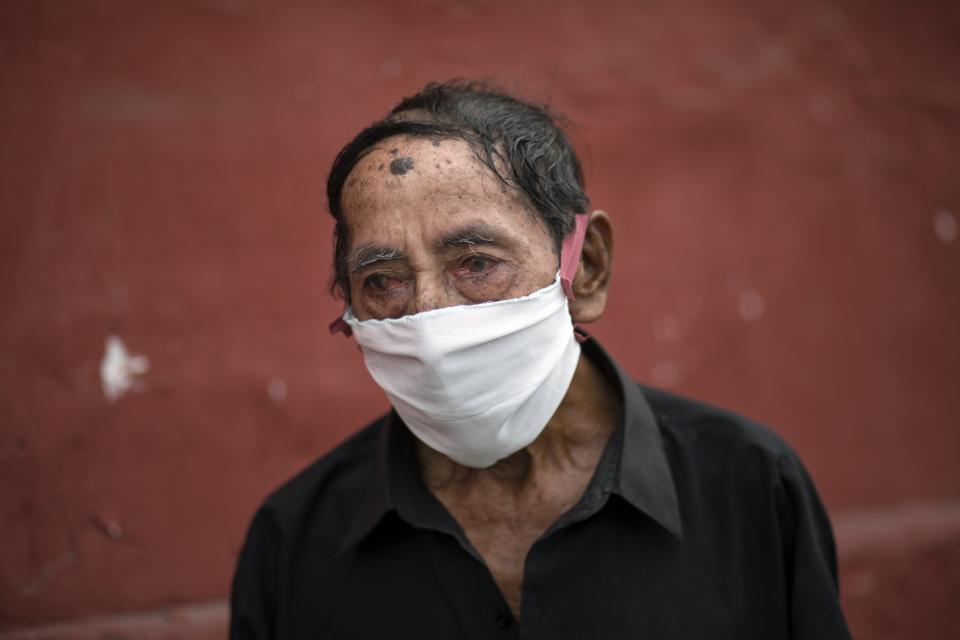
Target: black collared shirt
column 697, row 523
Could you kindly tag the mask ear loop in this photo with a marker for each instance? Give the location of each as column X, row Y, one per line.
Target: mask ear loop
column 569, row 259
column 570, row 253
column 340, row 326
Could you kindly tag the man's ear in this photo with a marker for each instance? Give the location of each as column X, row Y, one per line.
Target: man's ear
column 593, row 272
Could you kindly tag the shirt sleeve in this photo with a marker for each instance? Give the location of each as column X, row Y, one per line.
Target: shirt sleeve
column 254, row 595
column 810, row 557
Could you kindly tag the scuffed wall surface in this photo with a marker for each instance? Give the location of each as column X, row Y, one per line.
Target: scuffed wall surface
column 783, row 179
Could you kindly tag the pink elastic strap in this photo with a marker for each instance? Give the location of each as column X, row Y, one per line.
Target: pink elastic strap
column 340, row 326
column 570, row 253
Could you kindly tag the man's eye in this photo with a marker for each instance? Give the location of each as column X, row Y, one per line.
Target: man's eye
column 380, row 282
column 476, row 264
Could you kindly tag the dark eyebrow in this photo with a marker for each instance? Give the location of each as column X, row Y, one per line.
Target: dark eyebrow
column 366, row 255
column 473, row 234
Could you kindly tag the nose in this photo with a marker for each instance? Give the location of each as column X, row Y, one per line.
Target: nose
column 430, row 293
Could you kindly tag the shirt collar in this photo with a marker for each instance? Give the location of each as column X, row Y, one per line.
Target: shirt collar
column 643, row 476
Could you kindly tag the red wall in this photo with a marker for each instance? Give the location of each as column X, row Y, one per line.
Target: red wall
column 783, row 181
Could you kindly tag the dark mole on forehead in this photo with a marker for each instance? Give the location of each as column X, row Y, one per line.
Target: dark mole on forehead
column 436, row 143
column 394, row 151
column 401, row 165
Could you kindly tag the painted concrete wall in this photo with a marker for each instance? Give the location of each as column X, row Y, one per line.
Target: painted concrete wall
column 784, row 182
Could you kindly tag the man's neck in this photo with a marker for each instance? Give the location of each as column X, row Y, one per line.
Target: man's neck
column 572, row 441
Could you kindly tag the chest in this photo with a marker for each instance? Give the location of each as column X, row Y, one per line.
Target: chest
column 614, row 574
column 503, row 527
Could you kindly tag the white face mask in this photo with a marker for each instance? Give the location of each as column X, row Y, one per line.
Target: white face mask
column 475, row 382
column 478, row 382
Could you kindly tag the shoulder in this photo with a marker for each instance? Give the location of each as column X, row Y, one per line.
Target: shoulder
column 330, row 486
column 723, row 460
column 307, row 513
column 691, row 421
column 713, row 443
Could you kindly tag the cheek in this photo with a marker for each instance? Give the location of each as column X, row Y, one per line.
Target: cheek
column 495, row 283
column 533, row 282
column 540, row 272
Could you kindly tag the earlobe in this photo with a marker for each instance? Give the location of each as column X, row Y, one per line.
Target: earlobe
column 593, row 273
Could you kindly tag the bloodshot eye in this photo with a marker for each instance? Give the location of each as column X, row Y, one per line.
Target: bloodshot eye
column 379, row 283
column 476, row 264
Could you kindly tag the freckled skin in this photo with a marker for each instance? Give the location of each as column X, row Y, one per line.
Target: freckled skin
column 411, row 211
column 503, row 509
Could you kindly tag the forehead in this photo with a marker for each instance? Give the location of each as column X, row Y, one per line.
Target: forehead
column 406, row 182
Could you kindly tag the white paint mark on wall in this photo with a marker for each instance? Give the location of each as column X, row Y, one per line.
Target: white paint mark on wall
column 751, row 305
column 108, row 527
column 277, row 390
column 113, row 529
column 119, row 369
column 666, row 328
column 666, row 373
column 945, row 225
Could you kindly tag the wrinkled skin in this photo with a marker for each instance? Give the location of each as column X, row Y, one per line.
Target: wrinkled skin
column 430, row 227
column 444, row 193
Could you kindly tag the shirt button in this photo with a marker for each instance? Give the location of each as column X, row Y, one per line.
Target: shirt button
column 504, row 620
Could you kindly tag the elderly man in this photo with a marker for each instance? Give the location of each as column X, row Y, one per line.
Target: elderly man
column 523, row 485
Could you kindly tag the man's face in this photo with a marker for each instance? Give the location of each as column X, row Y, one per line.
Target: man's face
column 429, row 226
